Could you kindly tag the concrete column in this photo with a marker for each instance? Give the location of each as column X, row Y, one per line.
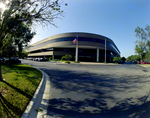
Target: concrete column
column 97, row 55
column 76, row 53
column 53, row 57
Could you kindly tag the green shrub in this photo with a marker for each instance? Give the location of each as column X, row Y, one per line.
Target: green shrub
column 63, row 58
column 116, row 59
column 67, row 62
column 66, row 57
column 77, row 62
column 50, row 58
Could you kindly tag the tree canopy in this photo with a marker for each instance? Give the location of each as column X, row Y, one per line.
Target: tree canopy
column 142, row 46
column 19, row 15
column 147, row 57
column 133, row 58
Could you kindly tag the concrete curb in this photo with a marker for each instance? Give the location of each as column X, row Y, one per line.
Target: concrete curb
column 39, row 100
column 84, row 63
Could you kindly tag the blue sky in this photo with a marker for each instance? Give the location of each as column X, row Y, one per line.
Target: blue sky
column 115, row 19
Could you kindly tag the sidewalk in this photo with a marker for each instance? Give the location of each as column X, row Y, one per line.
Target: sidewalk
column 40, row 100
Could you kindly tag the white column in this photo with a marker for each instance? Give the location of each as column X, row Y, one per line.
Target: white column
column 97, row 54
column 76, row 53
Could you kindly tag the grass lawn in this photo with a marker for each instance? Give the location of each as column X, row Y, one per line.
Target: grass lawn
column 17, row 90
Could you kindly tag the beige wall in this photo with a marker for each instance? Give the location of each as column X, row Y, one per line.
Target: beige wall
column 41, row 54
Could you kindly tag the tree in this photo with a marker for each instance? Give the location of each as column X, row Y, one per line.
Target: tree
column 19, row 38
column 133, row 58
column 123, row 59
column 147, row 57
column 143, row 43
column 9, row 51
column 24, row 54
column 140, row 51
column 22, row 36
column 27, row 12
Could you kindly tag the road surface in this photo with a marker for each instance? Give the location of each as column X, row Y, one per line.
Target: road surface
column 97, row 91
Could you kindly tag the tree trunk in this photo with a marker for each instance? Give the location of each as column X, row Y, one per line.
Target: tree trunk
column 9, row 60
column 1, row 78
column 20, row 49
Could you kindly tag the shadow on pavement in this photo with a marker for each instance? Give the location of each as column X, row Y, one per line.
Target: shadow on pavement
column 97, row 91
column 70, row 109
column 100, row 89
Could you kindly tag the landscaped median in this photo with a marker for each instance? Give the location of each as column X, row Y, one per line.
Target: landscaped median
column 17, row 90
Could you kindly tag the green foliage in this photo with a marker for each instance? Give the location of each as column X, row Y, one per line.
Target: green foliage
column 50, row 58
column 19, row 36
column 63, row 58
column 140, row 50
column 142, row 46
column 66, row 57
column 147, row 57
column 24, row 54
column 116, row 59
column 9, row 51
column 133, row 58
column 123, row 59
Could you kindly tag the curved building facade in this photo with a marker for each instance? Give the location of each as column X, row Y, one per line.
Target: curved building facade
column 91, row 47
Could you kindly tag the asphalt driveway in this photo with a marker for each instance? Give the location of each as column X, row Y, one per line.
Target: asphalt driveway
column 82, row 90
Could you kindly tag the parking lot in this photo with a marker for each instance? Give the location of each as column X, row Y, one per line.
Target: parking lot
column 90, row 90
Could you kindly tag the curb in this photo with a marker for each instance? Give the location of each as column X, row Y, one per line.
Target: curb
column 40, row 99
column 84, row 63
